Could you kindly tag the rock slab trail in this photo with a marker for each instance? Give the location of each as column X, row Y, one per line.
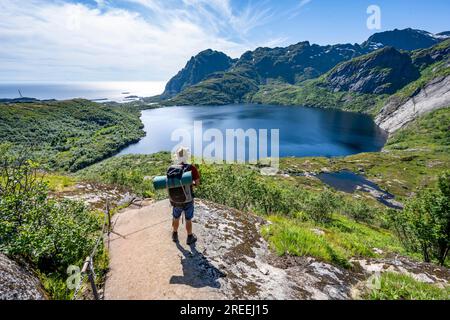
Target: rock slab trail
column 146, row 264
column 229, row 261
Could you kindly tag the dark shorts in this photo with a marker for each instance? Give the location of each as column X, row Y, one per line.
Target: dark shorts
column 188, row 209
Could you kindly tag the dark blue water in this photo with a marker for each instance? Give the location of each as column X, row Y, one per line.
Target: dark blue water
column 303, row 131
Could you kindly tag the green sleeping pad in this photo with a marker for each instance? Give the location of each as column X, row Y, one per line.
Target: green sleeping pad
column 161, row 182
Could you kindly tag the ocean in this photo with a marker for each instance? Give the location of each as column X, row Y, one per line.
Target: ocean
column 95, row 91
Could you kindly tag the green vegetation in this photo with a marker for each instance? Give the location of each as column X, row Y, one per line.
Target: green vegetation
column 313, row 93
column 424, row 225
column 299, row 205
column 293, row 207
column 69, row 135
column 429, row 131
column 335, row 242
column 129, row 171
column 413, row 159
column 49, row 234
column 394, row 286
column 221, row 88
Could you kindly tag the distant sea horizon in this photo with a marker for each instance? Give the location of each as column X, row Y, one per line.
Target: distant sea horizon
column 119, row 91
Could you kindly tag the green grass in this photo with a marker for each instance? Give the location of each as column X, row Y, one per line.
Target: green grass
column 394, row 286
column 336, row 242
column 58, row 182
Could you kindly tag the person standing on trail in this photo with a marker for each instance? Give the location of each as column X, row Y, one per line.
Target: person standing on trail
column 182, row 198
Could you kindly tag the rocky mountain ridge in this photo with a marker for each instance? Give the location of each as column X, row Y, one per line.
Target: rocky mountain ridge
column 234, row 81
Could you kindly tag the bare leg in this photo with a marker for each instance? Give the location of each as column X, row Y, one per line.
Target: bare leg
column 175, row 224
column 189, row 227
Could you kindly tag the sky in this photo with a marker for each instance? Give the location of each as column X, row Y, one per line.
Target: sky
column 150, row 40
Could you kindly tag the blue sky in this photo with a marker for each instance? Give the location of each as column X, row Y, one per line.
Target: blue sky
column 125, row 40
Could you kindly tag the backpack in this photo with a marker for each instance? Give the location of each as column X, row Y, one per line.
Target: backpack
column 181, row 195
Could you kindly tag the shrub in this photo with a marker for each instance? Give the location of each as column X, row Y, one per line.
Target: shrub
column 50, row 234
column 359, row 211
column 321, row 207
column 424, row 225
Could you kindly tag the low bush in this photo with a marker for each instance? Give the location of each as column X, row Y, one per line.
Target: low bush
column 49, row 234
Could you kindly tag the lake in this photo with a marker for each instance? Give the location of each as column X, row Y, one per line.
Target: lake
column 302, row 131
column 98, row 91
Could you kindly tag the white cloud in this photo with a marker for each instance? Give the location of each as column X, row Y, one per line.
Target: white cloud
column 42, row 40
column 296, row 11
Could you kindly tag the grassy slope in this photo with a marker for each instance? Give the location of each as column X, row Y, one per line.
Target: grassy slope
column 69, row 135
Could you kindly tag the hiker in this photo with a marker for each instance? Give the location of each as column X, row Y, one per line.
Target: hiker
column 182, row 198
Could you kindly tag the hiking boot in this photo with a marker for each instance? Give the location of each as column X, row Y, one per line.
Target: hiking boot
column 191, row 239
column 175, row 236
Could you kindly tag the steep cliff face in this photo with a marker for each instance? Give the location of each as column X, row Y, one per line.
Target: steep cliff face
column 197, row 69
column 397, row 113
column 381, row 72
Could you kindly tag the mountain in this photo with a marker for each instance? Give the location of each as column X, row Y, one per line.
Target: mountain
column 445, row 34
column 406, row 39
column 198, row 68
column 381, row 72
column 292, row 64
column 297, row 62
column 364, row 84
column 384, row 72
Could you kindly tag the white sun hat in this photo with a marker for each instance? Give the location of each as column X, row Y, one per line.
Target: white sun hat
column 182, row 155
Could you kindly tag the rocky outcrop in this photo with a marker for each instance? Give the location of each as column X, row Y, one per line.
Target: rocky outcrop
column 381, row 72
column 17, row 282
column 197, row 69
column 397, row 112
